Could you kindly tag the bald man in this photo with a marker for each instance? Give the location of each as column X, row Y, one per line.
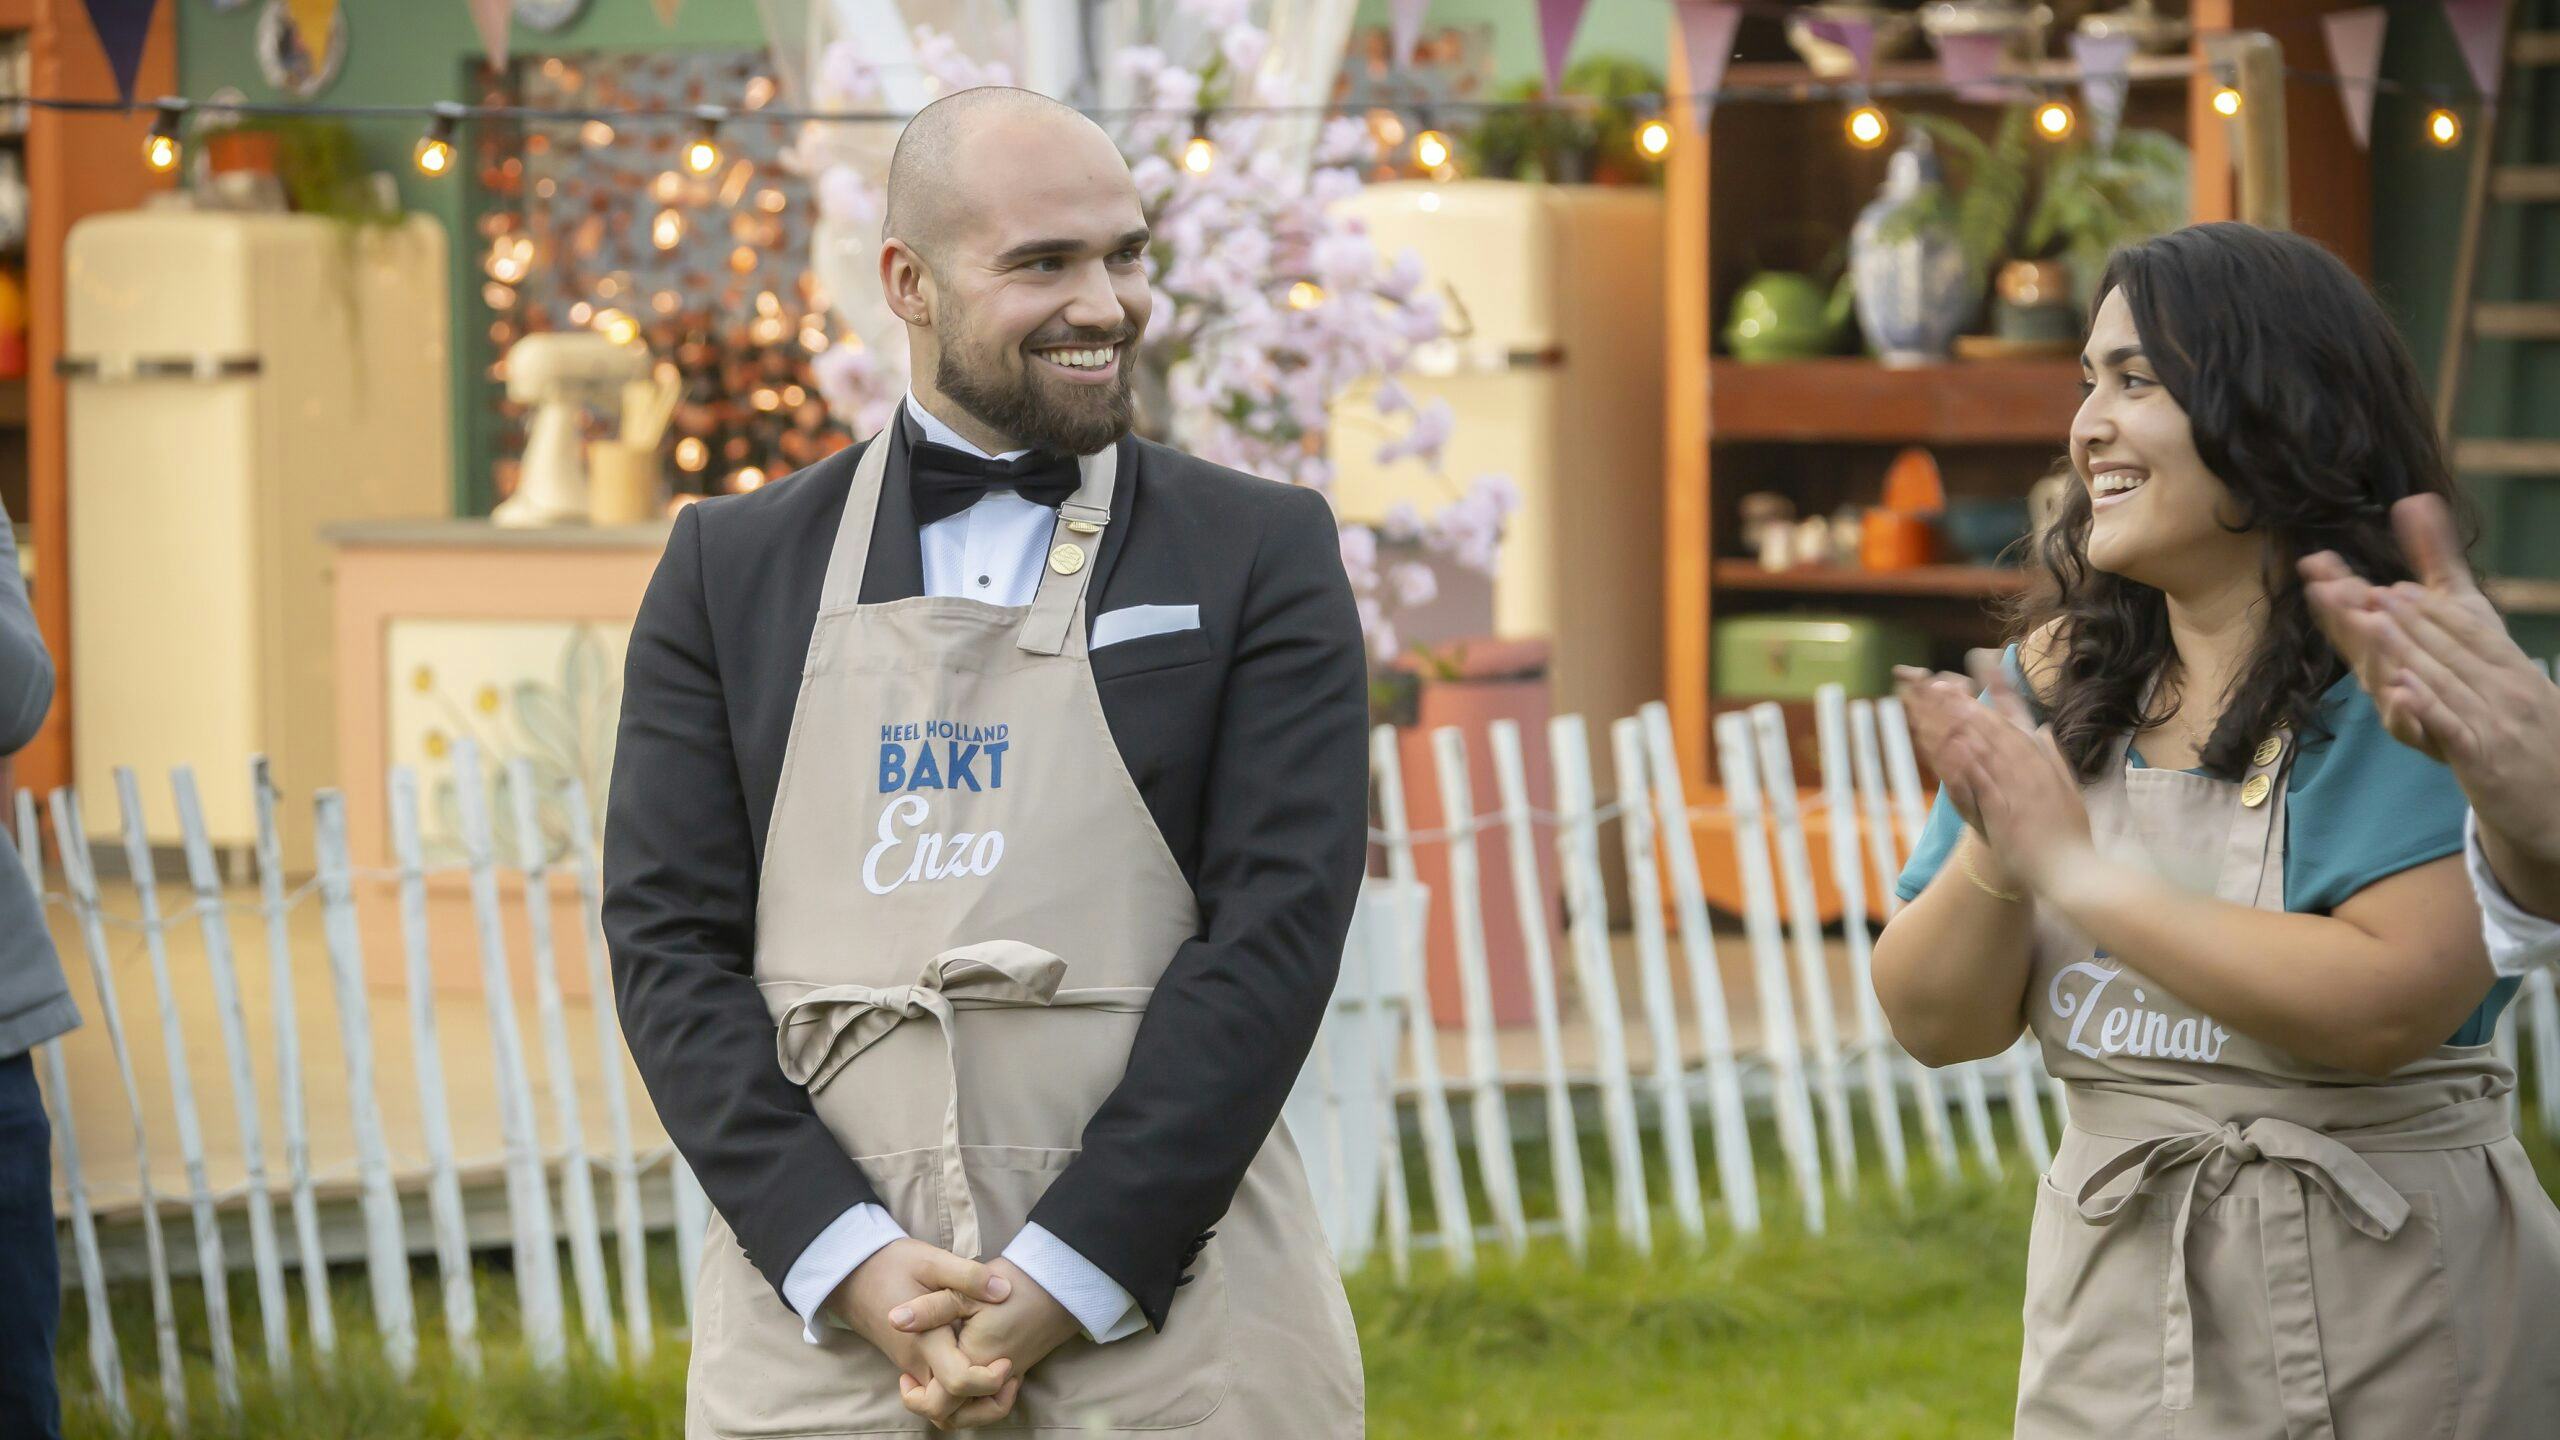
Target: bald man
column 985, row 827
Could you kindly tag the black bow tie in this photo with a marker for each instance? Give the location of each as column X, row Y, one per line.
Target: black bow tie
column 944, row 481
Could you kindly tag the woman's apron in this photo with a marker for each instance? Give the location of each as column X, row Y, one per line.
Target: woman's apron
column 965, row 905
column 2235, row 1242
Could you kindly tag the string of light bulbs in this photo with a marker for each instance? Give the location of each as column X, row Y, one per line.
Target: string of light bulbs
column 1866, row 124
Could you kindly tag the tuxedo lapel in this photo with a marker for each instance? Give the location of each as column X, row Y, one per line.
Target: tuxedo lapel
column 896, row 567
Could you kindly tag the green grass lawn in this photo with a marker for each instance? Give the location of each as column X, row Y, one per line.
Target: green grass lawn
column 1893, row 1324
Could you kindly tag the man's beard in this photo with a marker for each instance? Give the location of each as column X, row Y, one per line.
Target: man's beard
column 1063, row 418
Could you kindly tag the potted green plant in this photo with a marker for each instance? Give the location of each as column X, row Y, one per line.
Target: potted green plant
column 317, row 161
column 1569, row 143
column 2089, row 202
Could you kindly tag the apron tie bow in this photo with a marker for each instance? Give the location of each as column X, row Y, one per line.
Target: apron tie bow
column 825, row 1027
column 2214, row 1157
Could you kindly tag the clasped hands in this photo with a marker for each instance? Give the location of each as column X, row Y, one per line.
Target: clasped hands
column 962, row 1333
column 2002, row 773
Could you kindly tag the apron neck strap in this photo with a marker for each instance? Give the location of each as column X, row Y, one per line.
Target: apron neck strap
column 1054, row 623
column 845, row 564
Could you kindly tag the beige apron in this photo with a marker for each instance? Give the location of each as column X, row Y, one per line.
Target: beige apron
column 2234, row 1242
column 965, row 905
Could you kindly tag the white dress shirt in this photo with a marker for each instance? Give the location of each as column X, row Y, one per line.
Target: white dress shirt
column 2518, row 939
column 992, row 551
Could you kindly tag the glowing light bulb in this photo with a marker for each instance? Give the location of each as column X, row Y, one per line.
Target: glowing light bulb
column 1305, row 295
column 2444, row 128
column 161, row 149
column 1431, row 149
column 1868, row 127
column 703, row 155
column 435, row 156
column 1199, row 155
column 2226, row 101
column 1653, row 137
column 2054, row 120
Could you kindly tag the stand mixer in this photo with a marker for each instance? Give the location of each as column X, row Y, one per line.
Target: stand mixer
column 560, row 373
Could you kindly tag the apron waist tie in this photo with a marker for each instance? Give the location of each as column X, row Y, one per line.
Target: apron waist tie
column 2213, row 1155
column 821, row 1031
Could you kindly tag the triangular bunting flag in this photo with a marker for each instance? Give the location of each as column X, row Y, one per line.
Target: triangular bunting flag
column 2479, row 26
column 1970, row 63
column 1404, row 28
column 1706, row 42
column 1858, row 37
column 667, row 12
column 317, row 22
column 124, row 27
column 2105, row 77
column 493, row 18
column 2355, row 50
column 1557, row 20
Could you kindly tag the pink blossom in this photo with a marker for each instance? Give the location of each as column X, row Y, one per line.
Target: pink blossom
column 1360, row 554
column 1414, row 583
column 1343, row 260
column 844, row 195
column 845, row 73
column 1243, row 48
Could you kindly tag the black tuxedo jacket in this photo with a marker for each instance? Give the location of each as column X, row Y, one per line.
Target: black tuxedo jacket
column 1246, row 737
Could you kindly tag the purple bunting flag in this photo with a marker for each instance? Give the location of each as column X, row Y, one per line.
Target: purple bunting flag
column 2105, row 78
column 1557, row 20
column 1858, row 37
column 1706, row 41
column 2479, row 26
column 1971, row 64
column 1404, row 28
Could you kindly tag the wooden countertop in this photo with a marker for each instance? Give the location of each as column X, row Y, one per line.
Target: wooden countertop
column 482, row 535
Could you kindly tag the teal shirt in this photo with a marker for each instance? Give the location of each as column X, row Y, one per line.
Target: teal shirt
column 2359, row 806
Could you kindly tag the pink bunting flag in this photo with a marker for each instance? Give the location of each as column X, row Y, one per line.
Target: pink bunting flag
column 2479, row 26
column 2105, row 78
column 1404, row 28
column 492, row 18
column 1971, row 64
column 1706, row 40
column 667, row 12
column 1557, row 20
column 1858, row 37
column 2355, row 51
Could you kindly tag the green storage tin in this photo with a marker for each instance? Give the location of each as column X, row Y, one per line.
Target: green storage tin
column 1788, row 657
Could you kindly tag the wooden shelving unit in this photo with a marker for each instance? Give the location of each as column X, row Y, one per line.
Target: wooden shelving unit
column 1940, row 582
column 1850, row 399
column 1775, row 186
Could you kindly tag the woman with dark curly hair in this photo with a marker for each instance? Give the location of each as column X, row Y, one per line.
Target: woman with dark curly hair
column 2231, row 909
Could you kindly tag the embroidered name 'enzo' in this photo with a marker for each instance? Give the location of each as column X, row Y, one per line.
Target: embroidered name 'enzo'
column 932, row 856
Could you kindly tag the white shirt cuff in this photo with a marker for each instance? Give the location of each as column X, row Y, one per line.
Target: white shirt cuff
column 853, row 1237
column 2518, row 939
column 1106, row 1311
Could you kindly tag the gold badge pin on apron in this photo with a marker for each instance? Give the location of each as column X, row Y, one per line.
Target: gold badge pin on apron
column 963, row 908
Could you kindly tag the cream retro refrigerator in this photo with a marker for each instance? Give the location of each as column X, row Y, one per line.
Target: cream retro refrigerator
column 1556, row 382
column 237, row 382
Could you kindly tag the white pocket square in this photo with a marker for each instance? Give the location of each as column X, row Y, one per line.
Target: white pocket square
column 1136, row 622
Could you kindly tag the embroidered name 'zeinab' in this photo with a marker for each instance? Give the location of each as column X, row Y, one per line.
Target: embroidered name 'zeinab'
column 2134, row 1029
column 934, row 755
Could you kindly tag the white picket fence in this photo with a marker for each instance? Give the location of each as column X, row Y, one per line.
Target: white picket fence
column 1376, row 1069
